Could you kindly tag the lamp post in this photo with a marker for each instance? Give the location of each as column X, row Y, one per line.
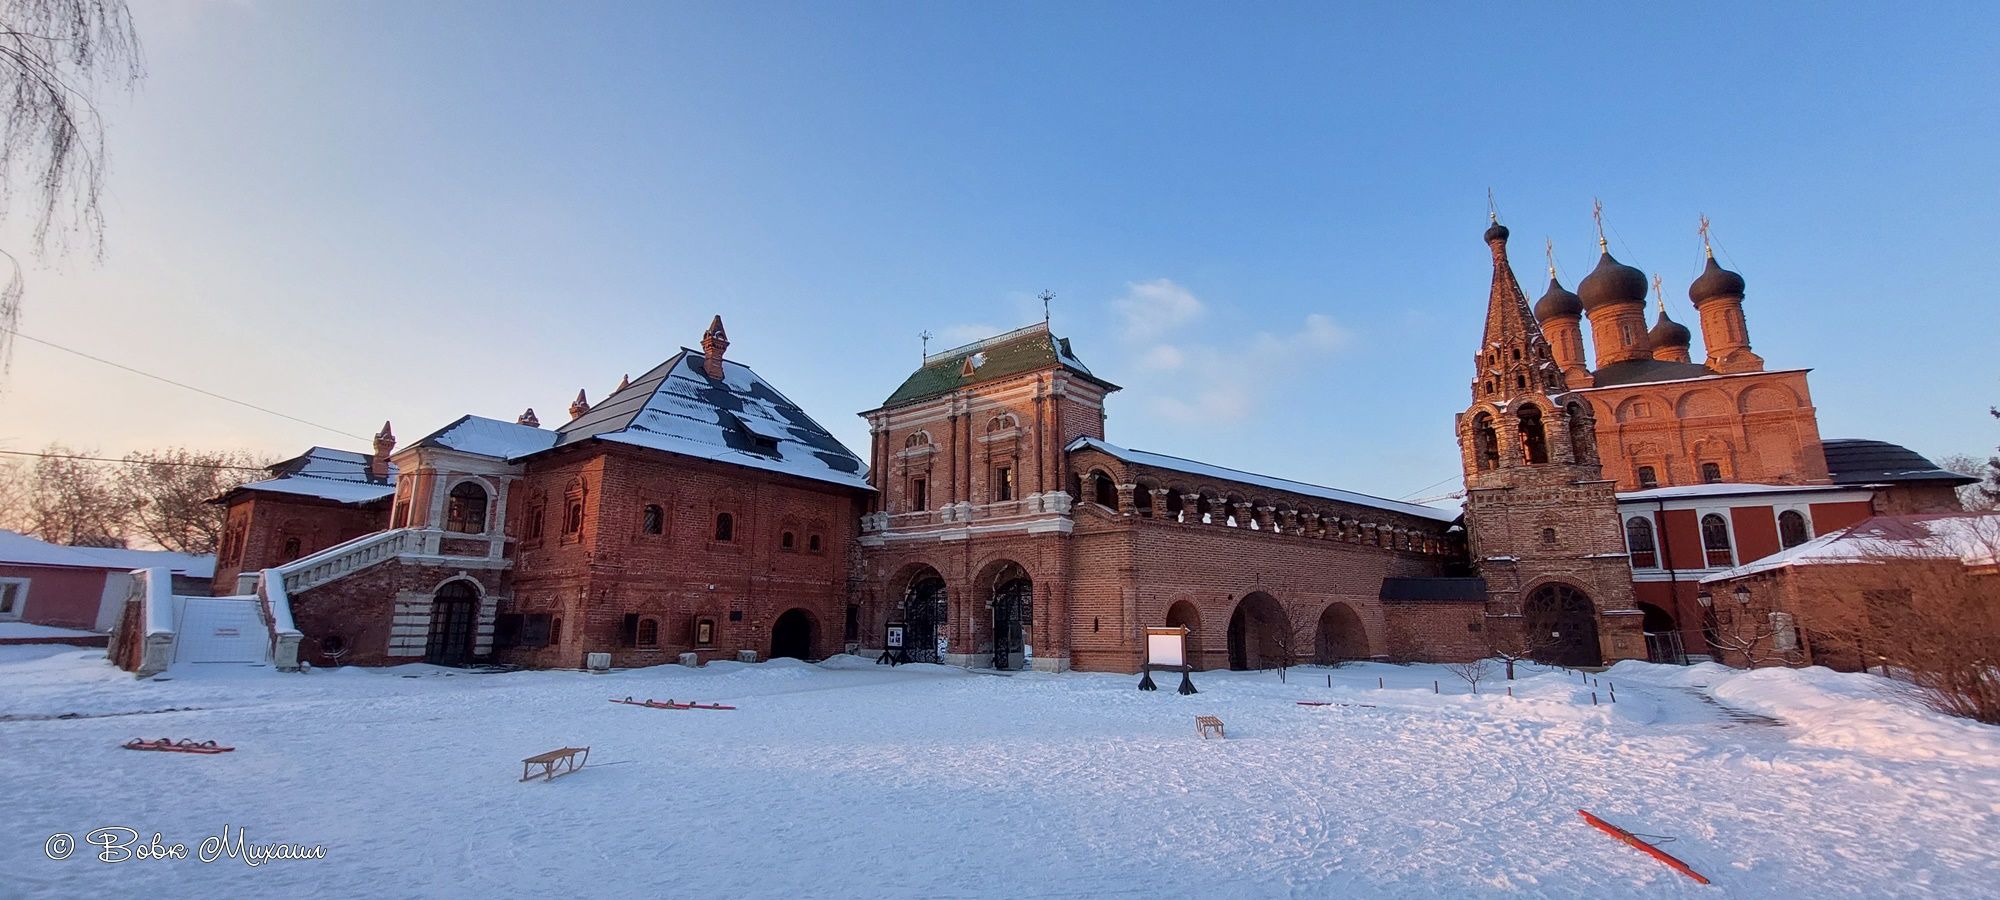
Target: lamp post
column 1742, row 595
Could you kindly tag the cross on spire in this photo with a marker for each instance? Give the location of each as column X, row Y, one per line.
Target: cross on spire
column 1658, row 294
column 925, row 336
column 1549, row 247
column 1705, row 248
column 1597, row 215
column 1046, row 296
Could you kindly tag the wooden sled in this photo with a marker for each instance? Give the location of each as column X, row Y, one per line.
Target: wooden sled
column 1315, row 703
column 669, row 703
column 172, row 746
column 561, row 761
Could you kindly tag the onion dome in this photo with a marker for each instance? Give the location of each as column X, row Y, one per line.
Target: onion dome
column 1496, row 232
column 1668, row 333
column 1557, row 302
column 1612, row 282
column 1715, row 281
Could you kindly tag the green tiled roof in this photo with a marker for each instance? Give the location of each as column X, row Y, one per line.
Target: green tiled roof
column 1030, row 349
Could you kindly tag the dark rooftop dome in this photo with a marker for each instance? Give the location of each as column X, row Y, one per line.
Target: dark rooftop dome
column 1496, row 232
column 1669, row 333
column 1715, row 281
column 1857, row 461
column 1610, row 283
column 1556, row 302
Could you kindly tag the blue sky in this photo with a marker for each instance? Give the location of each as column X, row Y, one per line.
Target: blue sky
column 1265, row 226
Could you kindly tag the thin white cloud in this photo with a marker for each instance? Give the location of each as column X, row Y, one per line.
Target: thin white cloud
column 1153, row 308
column 1163, row 358
column 1203, row 385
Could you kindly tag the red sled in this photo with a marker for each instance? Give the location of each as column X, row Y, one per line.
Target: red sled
column 171, row 746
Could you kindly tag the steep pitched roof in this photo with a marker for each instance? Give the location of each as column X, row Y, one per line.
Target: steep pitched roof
column 1204, row 470
column 740, row 420
column 324, row 473
column 489, row 437
column 1017, row 352
column 1857, row 461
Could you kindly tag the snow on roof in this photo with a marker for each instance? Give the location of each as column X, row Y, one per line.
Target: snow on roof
column 740, row 420
column 1200, row 469
column 1726, row 489
column 324, row 488
column 1972, row 538
column 323, row 472
column 490, row 437
column 21, row 549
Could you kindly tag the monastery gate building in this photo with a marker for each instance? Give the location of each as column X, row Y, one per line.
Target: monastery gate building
column 696, row 513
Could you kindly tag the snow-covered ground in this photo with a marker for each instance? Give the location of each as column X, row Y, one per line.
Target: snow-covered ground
column 852, row 780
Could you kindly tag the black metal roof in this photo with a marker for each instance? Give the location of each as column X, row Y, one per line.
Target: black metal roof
column 1646, row 371
column 1857, row 461
column 1449, row 590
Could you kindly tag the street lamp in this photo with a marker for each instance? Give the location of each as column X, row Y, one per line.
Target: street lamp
column 1743, row 595
column 1705, row 599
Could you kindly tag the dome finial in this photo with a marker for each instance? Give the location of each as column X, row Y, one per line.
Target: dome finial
column 1706, row 249
column 1549, row 248
column 1659, row 294
column 1597, row 215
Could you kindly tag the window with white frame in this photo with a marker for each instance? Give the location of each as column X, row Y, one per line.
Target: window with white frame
column 1639, row 541
column 1793, row 528
column 1715, row 543
column 13, row 597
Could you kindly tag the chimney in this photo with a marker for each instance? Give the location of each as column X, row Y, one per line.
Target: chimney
column 528, row 419
column 713, row 342
column 378, row 465
column 624, row 381
column 579, row 406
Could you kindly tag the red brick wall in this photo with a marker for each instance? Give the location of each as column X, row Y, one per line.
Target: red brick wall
column 614, row 569
column 360, row 608
column 269, row 520
column 1758, row 428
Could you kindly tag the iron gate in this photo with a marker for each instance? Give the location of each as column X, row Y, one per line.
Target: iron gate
column 1013, row 606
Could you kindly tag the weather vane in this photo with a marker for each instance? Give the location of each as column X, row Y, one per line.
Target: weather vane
column 925, row 336
column 1047, row 296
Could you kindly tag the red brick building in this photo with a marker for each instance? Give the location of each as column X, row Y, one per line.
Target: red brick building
column 697, row 514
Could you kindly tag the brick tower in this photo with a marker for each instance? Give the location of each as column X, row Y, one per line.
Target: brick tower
column 1542, row 520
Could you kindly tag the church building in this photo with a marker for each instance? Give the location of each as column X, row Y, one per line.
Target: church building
column 696, row 514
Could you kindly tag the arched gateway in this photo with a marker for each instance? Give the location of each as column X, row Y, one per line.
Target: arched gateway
column 792, row 635
column 1561, row 625
column 924, row 613
column 454, row 618
column 1259, row 633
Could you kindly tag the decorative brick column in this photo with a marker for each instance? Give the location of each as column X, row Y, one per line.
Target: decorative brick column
column 1126, row 505
column 1191, row 506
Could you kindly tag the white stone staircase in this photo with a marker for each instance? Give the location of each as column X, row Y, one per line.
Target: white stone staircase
column 276, row 585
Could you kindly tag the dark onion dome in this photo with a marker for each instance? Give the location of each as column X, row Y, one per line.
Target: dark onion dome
column 1496, row 232
column 1610, row 283
column 1669, row 333
column 1557, row 302
column 1715, row 281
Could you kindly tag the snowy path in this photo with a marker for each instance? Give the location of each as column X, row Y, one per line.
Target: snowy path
column 854, row 780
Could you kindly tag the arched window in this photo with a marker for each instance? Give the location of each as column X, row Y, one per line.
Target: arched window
column 1639, row 541
column 465, row 510
column 1792, row 530
column 649, row 633
column 1103, row 491
column 1000, row 423
column 725, row 527
column 1648, row 478
column 292, row 549
column 787, row 540
column 1485, row 444
column 919, row 439
column 1534, row 441
column 573, row 510
column 813, row 543
column 1715, row 542
column 653, row 520
column 1711, row 473
column 1582, row 444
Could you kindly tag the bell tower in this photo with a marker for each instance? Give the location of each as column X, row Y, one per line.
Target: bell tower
column 1542, row 520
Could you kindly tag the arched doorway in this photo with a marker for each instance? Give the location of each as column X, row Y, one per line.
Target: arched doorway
column 1663, row 638
column 1340, row 636
column 454, row 614
column 924, row 613
column 792, row 635
column 1562, row 626
column 1013, row 616
column 1258, row 633
column 1185, row 615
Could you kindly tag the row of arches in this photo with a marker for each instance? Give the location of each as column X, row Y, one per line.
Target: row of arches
column 1260, row 634
column 1528, row 434
column 1001, row 638
column 1208, row 506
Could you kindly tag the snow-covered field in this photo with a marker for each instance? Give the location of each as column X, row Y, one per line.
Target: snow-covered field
column 852, row 780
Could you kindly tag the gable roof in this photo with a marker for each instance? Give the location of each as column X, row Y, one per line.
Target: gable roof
column 1204, row 470
column 1017, row 352
column 740, row 420
column 21, row 549
column 489, row 437
column 1857, row 461
column 324, row 473
column 1971, row 538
